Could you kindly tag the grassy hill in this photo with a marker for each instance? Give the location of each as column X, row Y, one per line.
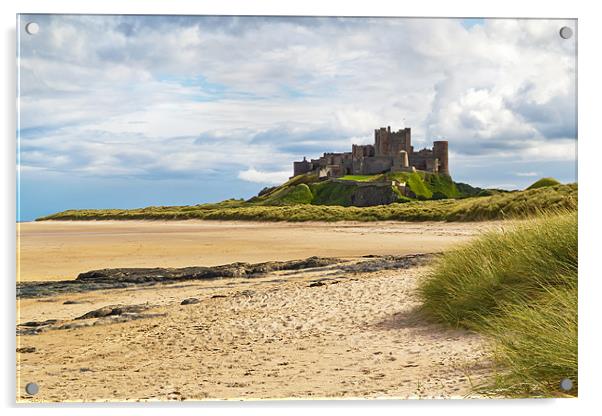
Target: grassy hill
column 276, row 206
column 543, row 182
column 356, row 190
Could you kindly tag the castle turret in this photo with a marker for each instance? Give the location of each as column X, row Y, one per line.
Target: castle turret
column 299, row 168
column 440, row 152
column 405, row 162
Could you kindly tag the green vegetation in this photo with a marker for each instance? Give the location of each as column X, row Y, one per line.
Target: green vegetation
column 345, row 191
column 520, row 204
column 427, row 185
column 517, row 204
column 422, row 186
column 418, row 187
column 362, row 178
column 441, row 186
column 465, row 190
column 543, row 182
column 332, row 193
column 519, row 287
column 291, row 195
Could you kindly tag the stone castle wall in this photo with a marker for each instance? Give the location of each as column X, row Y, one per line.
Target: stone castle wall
column 391, row 152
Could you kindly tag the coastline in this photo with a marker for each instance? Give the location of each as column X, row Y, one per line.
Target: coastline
column 61, row 250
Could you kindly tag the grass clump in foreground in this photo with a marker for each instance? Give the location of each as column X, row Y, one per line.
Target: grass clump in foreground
column 519, row 287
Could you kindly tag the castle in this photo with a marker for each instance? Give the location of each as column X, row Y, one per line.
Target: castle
column 391, row 152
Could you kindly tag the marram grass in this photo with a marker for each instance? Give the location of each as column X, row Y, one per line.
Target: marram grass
column 519, row 287
column 507, row 205
column 535, row 345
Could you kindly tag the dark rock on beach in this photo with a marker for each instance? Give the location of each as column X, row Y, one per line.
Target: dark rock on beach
column 189, row 301
column 106, row 315
column 34, row 327
column 233, row 270
column 113, row 310
column 73, row 302
column 387, row 263
column 37, row 324
column 323, row 282
column 104, row 279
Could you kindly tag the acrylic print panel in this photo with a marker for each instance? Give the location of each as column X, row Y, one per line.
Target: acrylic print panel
column 222, row 207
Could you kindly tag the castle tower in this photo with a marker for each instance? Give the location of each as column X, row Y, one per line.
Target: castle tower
column 440, row 152
column 407, row 140
column 389, row 143
column 381, row 141
column 299, row 168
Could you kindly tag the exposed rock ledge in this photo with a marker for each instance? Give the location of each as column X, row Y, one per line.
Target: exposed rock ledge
column 140, row 277
column 241, row 270
column 128, row 277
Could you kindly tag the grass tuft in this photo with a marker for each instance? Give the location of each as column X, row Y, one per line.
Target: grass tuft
column 519, row 287
column 535, row 345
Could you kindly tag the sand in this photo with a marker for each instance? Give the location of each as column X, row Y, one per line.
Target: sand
column 357, row 335
column 59, row 250
column 269, row 338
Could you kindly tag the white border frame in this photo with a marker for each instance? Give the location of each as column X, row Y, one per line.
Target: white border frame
column 589, row 73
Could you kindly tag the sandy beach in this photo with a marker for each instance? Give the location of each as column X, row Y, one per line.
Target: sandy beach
column 349, row 329
column 58, row 250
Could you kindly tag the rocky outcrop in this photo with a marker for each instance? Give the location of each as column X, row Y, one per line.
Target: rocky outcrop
column 113, row 310
column 388, row 263
column 128, row 277
column 105, row 279
column 241, row 270
column 102, row 316
column 367, row 196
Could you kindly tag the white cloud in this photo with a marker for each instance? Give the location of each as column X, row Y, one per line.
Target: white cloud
column 118, row 95
column 272, row 178
column 527, row 174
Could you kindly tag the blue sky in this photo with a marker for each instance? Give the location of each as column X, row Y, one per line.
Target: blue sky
column 131, row 111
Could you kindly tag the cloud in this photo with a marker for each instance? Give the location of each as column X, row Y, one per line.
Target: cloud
column 189, row 96
column 272, row 178
column 526, row 174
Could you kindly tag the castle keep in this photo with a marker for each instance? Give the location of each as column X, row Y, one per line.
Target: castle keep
column 391, row 152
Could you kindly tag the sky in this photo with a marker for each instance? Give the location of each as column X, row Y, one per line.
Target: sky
column 133, row 111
